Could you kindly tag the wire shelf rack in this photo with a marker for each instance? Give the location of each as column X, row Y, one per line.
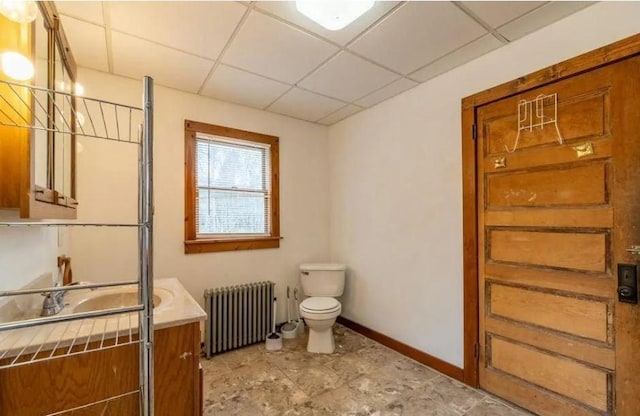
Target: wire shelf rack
column 26, row 106
column 26, row 341
column 66, row 338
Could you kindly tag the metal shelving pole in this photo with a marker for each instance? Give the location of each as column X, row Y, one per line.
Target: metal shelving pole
column 145, row 199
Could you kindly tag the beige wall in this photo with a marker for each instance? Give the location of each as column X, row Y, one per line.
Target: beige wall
column 107, row 192
column 396, row 186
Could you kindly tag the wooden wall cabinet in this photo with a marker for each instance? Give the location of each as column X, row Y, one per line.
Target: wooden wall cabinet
column 38, row 166
column 104, row 382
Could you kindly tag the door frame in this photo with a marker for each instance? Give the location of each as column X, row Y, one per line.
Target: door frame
column 617, row 51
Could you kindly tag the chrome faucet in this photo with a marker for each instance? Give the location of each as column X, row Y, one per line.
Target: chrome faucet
column 53, row 302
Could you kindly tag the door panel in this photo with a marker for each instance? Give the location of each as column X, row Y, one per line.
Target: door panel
column 550, row 371
column 552, row 225
column 582, row 115
column 574, row 186
column 586, row 318
column 565, row 250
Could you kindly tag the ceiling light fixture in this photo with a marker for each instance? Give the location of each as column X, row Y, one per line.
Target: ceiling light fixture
column 20, row 11
column 333, row 14
column 16, row 66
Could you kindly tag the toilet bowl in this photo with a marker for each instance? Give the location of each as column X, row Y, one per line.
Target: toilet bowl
column 320, row 315
column 322, row 282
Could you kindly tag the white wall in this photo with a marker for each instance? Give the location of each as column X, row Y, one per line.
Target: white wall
column 396, row 186
column 27, row 253
column 107, row 192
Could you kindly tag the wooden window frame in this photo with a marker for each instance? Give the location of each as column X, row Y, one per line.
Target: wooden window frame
column 192, row 244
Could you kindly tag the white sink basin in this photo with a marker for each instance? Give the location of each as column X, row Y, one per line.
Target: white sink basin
column 119, row 298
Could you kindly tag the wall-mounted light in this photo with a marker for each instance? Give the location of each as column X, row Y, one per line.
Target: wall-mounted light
column 16, row 66
column 20, row 11
column 79, row 89
column 333, row 14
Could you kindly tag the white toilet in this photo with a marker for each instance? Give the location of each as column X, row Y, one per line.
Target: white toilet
column 323, row 282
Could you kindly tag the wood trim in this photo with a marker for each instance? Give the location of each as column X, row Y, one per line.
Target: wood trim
column 406, row 350
column 198, row 378
column 52, row 19
column 222, row 131
column 605, row 55
column 192, row 244
column 470, row 247
column 612, row 53
column 213, row 246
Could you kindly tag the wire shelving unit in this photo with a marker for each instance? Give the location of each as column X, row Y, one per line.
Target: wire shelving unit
column 64, row 335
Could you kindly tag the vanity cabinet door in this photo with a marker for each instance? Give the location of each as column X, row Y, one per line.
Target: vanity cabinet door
column 176, row 376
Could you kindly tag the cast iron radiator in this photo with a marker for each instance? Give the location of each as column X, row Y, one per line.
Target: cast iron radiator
column 237, row 316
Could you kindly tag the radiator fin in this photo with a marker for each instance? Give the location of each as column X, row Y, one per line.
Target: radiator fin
column 237, row 316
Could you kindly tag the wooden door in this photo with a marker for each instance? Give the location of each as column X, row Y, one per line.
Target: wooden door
column 553, row 223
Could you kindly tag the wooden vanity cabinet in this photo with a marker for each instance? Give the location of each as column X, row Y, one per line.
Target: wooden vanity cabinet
column 177, row 376
column 37, row 166
column 92, row 380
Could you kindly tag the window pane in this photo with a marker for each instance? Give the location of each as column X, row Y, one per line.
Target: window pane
column 230, row 212
column 222, row 165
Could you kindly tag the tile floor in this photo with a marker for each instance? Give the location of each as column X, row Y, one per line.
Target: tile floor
column 361, row 378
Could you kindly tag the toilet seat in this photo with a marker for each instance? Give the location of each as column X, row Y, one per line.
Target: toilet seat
column 320, row 305
column 320, row 308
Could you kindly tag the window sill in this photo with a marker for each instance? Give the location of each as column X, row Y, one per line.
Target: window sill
column 235, row 244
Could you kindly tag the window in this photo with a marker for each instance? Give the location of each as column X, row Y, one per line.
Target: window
column 231, row 189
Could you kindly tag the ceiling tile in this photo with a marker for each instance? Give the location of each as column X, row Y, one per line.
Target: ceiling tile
column 540, row 17
column 276, row 50
column 90, row 11
column 341, row 114
column 287, row 10
column 460, row 56
column 348, row 77
column 497, row 13
column 241, row 87
column 415, row 35
column 88, row 43
column 305, row 105
column 386, row 92
column 134, row 57
column 200, row 28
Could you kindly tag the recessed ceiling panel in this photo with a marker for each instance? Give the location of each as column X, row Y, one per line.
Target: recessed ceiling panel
column 241, row 87
column 341, row 114
column 305, row 105
column 541, row 17
column 460, row 56
column 287, row 10
column 276, row 50
column 134, row 57
column 88, row 43
column 90, row 11
column 201, row 28
column 497, row 13
column 416, row 34
column 348, row 77
column 386, row 92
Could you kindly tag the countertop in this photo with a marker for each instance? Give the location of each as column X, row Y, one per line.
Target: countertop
column 177, row 308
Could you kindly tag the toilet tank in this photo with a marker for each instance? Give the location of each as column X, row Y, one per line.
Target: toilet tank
column 322, row 279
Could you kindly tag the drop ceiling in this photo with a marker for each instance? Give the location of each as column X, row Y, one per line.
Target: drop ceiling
column 266, row 55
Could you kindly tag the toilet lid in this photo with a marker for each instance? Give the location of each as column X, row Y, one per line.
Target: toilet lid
column 320, row 304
